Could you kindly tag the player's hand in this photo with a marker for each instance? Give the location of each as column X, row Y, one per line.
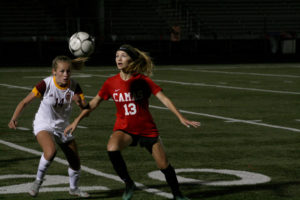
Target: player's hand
column 76, row 98
column 13, row 124
column 70, row 129
column 189, row 123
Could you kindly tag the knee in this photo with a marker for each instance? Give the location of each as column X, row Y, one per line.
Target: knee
column 112, row 147
column 163, row 165
column 50, row 154
column 113, row 143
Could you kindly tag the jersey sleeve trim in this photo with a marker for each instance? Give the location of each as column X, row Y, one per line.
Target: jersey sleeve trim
column 82, row 96
column 39, row 89
column 36, row 92
column 79, row 91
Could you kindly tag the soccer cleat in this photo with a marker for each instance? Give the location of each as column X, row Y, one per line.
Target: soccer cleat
column 35, row 187
column 78, row 192
column 128, row 193
column 181, row 198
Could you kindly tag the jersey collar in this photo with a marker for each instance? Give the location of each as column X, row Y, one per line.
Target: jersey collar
column 58, row 86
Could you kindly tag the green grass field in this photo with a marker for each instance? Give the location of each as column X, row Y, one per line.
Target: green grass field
column 250, row 116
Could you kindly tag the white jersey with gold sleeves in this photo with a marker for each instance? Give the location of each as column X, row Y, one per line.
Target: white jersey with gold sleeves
column 55, row 107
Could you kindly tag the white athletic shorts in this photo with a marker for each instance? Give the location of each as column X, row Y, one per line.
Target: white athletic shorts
column 39, row 126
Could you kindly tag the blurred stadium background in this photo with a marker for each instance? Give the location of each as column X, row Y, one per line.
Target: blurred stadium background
column 174, row 31
column 242, row 85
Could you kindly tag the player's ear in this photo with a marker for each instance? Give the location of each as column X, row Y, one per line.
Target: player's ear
column 53, row 72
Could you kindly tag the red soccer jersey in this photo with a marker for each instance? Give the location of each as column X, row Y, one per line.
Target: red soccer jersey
column 133, row 116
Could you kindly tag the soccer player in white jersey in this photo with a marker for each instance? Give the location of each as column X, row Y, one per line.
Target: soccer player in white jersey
column 56, row 93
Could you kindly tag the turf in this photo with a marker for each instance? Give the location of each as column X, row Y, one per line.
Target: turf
column 226, row 99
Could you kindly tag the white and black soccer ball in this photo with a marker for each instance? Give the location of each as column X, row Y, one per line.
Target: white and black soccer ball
column 81, row 44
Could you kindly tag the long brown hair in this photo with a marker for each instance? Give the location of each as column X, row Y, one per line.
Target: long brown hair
column 141, row 61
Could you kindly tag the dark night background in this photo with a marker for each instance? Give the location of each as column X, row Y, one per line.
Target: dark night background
column 32, row 32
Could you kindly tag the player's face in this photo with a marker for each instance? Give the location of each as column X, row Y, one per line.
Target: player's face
column 62, row 73
column 122, row 59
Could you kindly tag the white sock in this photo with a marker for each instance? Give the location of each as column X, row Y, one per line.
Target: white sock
column 73, row 178
column 43, row 166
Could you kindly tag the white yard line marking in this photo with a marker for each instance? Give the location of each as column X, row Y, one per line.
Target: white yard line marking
column 228, row 121
column 28, row 129
column 209, row 85
column 231, row 119
column 15, row 86
column 202, row 114
column 89, row 170
column 84, row 75
column 82, row 127
column 227, row 87
column 235, row 73
column 23, row 128
column 31, row 69
column 243, row 121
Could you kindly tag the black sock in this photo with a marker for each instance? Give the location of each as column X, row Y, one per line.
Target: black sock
column 120, row 166
column 171, row 179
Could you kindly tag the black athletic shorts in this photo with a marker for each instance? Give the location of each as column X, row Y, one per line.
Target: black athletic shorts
column 146, row 142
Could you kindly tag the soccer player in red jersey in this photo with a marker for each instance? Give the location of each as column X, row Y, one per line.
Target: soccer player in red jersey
column 130, row 89
column 57, row 92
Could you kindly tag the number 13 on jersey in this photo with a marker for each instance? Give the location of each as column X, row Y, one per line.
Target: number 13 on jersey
column 130, row 109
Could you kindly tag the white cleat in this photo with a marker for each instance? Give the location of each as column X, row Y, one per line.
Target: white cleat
column 34, row 189
column 79, row 193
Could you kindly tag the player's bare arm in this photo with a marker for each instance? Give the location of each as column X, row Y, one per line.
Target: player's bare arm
column 92, row 105
column 20, row 107
column 169, row 104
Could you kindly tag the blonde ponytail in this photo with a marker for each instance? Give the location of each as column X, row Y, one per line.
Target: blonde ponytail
column 78, row 63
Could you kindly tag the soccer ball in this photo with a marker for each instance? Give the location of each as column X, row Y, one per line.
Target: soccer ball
column 81, row 44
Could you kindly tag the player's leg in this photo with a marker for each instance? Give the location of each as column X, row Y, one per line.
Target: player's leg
column 166, row 168
column 117, row 142
column 46, row 141
column 71, row 152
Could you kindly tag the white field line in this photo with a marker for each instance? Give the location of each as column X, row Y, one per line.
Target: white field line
column 231, row 66
column 203, row 68
column 165, row 67
column 15, row 86
column 243, row 121
column 23, row 128
column 256, row 120
column 202, row 114
column 234, row 73
column 228, row 87
column 185, row 83
column 231, row 119
column 48, row 69
column 88, row 170
column 193, row 84
column 75, row 75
